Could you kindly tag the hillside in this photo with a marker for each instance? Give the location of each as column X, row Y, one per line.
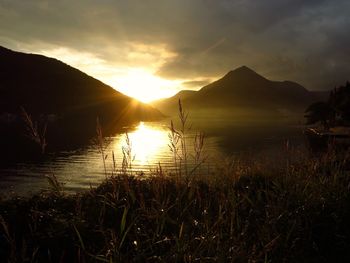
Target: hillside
column 244, row 89
column 68, row 99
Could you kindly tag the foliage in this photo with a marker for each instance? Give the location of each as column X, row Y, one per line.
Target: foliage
column 297, row 213
column 247, row 211
column 319, row 112
column 339, row 100
column 34, row 133
column 334, row 112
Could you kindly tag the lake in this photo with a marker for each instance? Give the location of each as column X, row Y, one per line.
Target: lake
column 149, row 144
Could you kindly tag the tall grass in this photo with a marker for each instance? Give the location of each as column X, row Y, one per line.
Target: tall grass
column 33, row 131
column 247, row 211
column 100, row 144
column 185, row 163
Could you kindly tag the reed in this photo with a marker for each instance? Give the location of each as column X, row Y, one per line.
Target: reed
column 33, row 131
column 247, row 211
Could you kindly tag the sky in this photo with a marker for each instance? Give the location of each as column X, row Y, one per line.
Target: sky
column 151, row 49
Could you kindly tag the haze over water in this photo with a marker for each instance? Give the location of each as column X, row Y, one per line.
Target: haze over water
column 149, row 143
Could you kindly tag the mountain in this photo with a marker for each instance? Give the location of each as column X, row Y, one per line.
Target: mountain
column 243, row 88
column 64, row 97
column 172, row 101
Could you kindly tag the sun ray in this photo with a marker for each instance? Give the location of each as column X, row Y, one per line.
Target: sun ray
column 145, row 86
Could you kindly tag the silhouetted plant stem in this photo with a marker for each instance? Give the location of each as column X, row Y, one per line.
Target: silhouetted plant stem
column 100, row 143
column 127, row 156
column 33, row 132
column 183, row 121
column 174, row 138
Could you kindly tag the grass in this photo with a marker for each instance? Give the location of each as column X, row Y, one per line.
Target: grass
column 298, row 211
column 299, row 215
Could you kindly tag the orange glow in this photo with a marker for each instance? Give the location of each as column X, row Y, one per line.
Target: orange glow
column 145, row 86
column 134, row 81
column 147, row 143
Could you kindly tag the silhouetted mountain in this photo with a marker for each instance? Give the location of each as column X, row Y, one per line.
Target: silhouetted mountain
column 244, row 88
column 168, row 102
column 69, row 99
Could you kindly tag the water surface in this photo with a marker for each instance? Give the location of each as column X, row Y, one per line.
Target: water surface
column 149, row 144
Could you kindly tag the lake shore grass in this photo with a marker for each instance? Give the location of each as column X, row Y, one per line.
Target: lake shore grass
column 296, row 212
column 292, row 208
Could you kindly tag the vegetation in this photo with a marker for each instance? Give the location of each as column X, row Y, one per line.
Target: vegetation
column 243, row 213
column 334, row 112
column 247, row 211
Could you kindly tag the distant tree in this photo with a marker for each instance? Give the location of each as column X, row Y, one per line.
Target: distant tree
column 319, row 112
column 339, row 100
column 334, row 112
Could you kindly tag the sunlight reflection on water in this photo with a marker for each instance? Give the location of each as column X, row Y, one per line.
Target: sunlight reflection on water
column 83, row 168
column 149, row 147
column 148, row 143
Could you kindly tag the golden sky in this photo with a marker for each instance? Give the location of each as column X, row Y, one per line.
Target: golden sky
column 139, row 81
column 155, row 48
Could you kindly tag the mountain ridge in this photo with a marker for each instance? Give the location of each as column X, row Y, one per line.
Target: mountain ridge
column 30, row 73
column 244, row 88
column 45, row 86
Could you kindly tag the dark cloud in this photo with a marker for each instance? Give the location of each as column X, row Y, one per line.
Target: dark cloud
column 305, row 41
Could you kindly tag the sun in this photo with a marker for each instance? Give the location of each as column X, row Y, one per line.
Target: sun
column 145, row 86
column 140, row 83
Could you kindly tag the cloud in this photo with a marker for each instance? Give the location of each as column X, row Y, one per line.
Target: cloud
column 304, row 41
column 195, row 84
